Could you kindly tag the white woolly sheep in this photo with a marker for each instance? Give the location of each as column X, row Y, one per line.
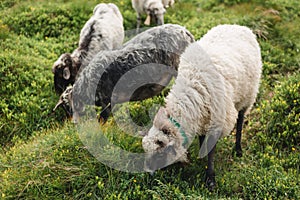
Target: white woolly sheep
column 218, row 80
column 158, row 48
column 103, row 31
column 153, row 8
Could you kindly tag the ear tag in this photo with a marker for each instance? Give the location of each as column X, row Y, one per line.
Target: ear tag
column 148, row 20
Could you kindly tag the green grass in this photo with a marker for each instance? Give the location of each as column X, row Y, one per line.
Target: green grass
column 43, row 157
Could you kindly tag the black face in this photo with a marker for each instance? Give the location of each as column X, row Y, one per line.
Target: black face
column 60, row 84
column 63, row 73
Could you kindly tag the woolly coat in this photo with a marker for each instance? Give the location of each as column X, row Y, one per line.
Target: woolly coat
column 156, row 47
column 103, row 31
column 218, row 76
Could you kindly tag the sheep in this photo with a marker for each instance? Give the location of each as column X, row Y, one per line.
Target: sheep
column 217, row 83
column 158, row 48
column 64, row 101
column 153, row 8
column 103, row 31
column 168, row 3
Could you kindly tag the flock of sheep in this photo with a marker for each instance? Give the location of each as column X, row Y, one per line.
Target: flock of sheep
column 217, row 79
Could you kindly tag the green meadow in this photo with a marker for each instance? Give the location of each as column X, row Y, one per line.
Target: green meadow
column 43, row 157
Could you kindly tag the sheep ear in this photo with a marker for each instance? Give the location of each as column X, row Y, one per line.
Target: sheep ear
column 66, row 73
column 148, row 20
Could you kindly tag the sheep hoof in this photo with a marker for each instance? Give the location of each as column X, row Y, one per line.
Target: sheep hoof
column 236, row 152
column 210, row 182
column 239, row 153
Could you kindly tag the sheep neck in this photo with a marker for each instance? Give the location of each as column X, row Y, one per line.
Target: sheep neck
column 175, row 123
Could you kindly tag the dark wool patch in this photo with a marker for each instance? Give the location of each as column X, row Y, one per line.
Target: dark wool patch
column 154, row 48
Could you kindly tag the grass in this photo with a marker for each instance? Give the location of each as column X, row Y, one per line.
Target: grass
column 42, row 155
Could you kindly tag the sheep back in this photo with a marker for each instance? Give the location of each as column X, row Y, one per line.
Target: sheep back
column 157, row 46
column 103, row 31
column 224, row 69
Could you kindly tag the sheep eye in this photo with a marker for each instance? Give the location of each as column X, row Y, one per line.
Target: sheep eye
column 166, row 131
column 159, row 143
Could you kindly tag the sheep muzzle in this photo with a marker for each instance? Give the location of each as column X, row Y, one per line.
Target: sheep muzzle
column 160, row 159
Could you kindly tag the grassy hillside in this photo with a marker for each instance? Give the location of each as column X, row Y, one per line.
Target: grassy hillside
column 43, row 157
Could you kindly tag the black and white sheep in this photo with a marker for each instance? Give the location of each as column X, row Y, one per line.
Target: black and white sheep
column 154, row 9
column 218, row 80
column 103, row 31
column 153, row 55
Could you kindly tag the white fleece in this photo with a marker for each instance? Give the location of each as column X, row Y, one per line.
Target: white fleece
column 218, row 76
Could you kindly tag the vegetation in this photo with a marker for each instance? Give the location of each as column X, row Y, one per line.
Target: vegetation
column 43, row 157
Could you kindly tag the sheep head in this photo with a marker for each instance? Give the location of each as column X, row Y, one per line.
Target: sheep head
column 155, row 13
column 64, row 70
column 101, row 8
column 65, row 101
column 73, row 107
column 165, row 142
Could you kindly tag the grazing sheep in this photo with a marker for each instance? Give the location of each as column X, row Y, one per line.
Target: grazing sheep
column 153, row 8
column 158, row 49
column 168, row 3
column 218, row 80
column 64, row 101
column 103, row 31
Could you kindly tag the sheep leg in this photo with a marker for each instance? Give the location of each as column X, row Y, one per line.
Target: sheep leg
column 104, row 114
column 138, row 21
column 238, row 137
column 210, row 181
